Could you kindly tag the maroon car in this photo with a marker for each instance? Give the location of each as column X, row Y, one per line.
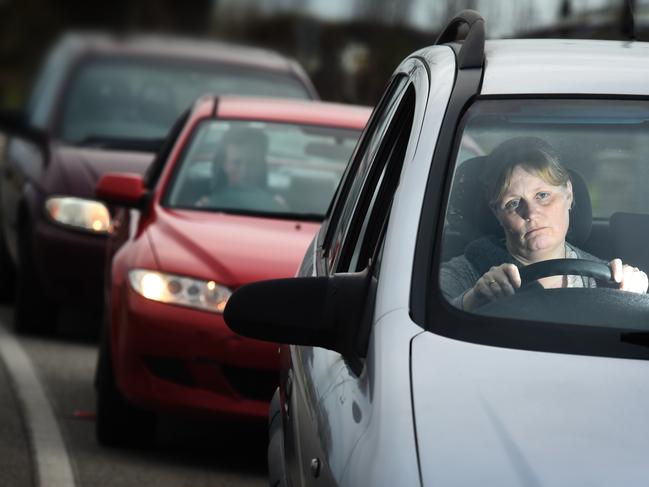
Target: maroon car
column 102, row 104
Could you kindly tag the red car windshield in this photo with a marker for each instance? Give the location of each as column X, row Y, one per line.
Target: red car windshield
column 261, row 168
column 111, row 101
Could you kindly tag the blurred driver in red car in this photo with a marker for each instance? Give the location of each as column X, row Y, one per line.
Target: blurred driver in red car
column 239, row 173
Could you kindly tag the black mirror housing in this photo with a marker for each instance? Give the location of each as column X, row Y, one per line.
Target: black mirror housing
column 324, row 312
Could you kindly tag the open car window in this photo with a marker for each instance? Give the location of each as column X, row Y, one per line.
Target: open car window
column 604, row 147
column 263, row 168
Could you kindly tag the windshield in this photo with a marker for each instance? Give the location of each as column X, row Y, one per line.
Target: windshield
column 114, row 101
column 261, row 168
column 551, row 223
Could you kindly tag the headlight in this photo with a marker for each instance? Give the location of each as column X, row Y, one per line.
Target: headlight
column 79, row 213
column 169, row 288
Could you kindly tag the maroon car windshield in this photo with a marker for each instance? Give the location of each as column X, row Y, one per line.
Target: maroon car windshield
column 112, row 100
column 261, row 168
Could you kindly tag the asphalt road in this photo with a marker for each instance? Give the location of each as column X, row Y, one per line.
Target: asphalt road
column 47, row 405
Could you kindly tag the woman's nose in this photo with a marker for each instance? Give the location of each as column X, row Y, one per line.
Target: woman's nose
column 527, row 209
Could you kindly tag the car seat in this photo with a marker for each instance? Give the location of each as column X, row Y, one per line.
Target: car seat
column 629, row 234
column 469, row 217
column 310, row 194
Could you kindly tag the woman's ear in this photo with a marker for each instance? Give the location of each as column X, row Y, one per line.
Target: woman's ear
column 571, row 197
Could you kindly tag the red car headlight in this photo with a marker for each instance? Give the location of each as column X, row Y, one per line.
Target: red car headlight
column 181, row 290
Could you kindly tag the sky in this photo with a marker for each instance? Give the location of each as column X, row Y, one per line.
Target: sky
column 500, row 15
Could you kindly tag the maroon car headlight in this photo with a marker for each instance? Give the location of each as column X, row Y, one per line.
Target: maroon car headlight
column 80, row 213
column 181, row 290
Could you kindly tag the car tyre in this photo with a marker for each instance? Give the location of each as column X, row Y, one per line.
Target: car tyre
column 33, row 312
column 118, row 423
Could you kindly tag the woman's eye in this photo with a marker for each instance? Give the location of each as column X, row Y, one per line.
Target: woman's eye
column 511, row 205
column 543, row 195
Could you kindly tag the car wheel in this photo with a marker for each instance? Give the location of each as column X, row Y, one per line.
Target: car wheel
column 276, row 466
column 118, row 422
column 33, row 311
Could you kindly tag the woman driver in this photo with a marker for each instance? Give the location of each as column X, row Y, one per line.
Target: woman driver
column 530, row 194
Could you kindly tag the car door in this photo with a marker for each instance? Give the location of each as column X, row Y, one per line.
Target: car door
column 328, row 397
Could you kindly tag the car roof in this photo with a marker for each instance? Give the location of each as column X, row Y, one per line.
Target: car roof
column 294, row 111
column 537, row 66
column 168, row 46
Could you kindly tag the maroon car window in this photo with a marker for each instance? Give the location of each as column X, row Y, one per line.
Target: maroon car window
column 261, row 168
column 109, row 100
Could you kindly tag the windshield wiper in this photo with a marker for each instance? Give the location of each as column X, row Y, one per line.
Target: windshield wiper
column 123, row 143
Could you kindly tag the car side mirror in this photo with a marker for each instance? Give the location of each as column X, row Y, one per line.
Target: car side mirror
column 330, row 312
column 16, row 124
column 122, row 189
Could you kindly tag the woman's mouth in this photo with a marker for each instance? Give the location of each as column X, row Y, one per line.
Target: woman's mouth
column 533, row 231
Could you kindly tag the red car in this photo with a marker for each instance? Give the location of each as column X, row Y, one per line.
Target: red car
column 237, row 195
column 102, row 104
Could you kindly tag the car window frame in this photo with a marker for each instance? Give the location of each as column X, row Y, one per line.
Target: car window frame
column 156, row 168
column 371, row 211
column 445, row 319
column 44, row 99
column 379, row 122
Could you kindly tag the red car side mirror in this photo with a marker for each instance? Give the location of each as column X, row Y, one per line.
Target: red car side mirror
column 122, row 189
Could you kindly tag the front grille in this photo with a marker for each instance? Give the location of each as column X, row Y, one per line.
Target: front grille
column 254, row 384
column 170, row 369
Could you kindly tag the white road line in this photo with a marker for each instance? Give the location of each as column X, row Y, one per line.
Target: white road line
column 53, row 467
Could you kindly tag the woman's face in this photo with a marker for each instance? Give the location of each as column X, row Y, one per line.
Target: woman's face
column 235, row 165
column 535, row 216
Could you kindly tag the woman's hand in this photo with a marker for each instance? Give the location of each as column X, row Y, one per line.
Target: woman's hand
column 497, row 282
column 629, row 278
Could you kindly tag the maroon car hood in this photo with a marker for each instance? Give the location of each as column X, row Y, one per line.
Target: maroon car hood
column 76, row 171
column 232, row 249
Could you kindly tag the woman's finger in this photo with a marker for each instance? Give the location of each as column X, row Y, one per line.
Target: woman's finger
column 617, row 269
column 491, row 286
column 512, row 275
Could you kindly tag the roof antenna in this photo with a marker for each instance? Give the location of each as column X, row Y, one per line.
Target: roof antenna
column 628, row 22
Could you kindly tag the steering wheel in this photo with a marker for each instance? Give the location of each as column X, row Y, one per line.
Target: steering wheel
column 600, row 306
column 561, row 267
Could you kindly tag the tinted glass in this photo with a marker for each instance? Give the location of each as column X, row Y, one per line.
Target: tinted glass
column 126, row 99
column 261, row 168
column 360, row 169
column 512, row 207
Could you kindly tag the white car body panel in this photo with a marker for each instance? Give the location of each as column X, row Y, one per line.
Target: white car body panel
column 528, row 418
column 540, row 66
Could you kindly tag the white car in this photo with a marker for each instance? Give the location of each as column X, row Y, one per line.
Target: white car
column 390, row 378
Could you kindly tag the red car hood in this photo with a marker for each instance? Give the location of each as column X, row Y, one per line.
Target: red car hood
column 232, row 249
column 77, row 170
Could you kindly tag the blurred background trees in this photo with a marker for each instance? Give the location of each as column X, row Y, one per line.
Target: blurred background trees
column 349, row 47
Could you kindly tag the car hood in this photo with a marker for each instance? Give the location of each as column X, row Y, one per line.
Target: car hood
column 232, row 249
column 496, row 416
column 76, row 171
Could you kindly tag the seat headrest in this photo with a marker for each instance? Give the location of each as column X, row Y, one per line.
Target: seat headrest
column 469, row 212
